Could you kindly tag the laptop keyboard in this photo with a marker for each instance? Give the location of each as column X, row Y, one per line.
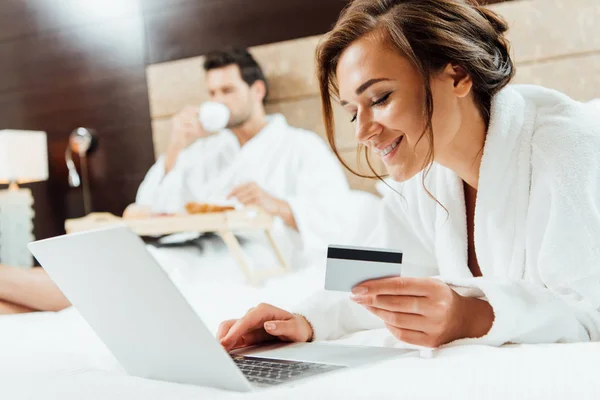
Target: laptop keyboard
column 265, row 372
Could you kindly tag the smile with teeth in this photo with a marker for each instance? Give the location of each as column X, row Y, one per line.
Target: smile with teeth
column 389, row 148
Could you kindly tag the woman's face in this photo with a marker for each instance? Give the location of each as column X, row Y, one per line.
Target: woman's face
column 384, row 95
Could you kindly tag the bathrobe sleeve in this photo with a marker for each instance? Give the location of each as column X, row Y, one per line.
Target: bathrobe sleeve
column 168, row 192
column 332, row 314
column 563, row 247
column 195, row 176
column 558, row 298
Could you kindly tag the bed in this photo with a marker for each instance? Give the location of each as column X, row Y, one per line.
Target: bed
column 67, row 362
column 57, row 356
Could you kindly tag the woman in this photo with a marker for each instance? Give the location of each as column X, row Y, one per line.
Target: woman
column 498, row 186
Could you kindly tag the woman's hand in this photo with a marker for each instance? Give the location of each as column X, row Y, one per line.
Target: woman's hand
column 424, row 311
column 264, row 323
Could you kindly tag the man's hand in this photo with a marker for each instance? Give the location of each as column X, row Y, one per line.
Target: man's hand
column 135, row 211
column 250, row 194
column 185, row 130
column 424, row 311
column 186, row 127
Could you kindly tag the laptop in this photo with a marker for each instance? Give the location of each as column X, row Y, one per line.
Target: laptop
column 137, row 311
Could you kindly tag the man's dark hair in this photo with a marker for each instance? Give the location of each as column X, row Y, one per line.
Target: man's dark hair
column 249, row 68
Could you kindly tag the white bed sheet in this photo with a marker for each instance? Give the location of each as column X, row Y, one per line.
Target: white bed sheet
column 57, row 356
column 75, row 370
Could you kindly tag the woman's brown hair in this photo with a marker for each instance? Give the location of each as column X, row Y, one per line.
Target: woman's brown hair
column 431, row 34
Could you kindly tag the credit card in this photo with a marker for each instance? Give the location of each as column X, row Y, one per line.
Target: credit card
column 347, row 266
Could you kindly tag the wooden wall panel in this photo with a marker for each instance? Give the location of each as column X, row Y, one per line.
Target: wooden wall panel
column 189, row 29
column 174, row 85
column 24, row 17
column 56, row 78
column 289, row 65
column 306, row 113
column 584, row 85
column 544, row 29
column 161, row 135
column 70, row 63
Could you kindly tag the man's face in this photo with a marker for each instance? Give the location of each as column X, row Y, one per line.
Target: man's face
column 226, row 86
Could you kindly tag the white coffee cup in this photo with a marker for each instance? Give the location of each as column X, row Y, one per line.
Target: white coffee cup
column 213, row 116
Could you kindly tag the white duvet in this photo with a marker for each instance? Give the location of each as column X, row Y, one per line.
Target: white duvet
column 57, row 356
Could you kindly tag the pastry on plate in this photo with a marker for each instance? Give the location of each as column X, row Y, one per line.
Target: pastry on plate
column 203, row 208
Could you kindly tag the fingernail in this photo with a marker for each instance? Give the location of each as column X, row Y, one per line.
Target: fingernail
column 360, row 290
column 357, row 299
column 270, row 326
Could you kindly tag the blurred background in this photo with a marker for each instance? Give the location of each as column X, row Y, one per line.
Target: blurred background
column 122, row 67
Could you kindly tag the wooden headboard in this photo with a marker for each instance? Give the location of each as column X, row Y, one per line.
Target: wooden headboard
column 555, row 43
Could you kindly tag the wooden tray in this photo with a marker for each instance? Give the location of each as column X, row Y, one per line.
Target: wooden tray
column 225, row 224
column 236, row 220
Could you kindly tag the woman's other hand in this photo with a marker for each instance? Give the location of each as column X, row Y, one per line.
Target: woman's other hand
column 261, row 324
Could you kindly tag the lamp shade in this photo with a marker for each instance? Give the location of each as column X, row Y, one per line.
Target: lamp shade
column 23, row 156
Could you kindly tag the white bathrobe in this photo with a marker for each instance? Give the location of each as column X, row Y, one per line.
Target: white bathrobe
column 289, row 163
column 537, row 226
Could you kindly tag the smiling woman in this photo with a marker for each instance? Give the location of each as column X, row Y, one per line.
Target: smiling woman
column 515, row 232
column 402, row 53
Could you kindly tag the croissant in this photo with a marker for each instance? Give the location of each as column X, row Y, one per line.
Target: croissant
column 203, row 208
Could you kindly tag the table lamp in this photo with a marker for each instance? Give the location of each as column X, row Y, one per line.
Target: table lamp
column 23, row 159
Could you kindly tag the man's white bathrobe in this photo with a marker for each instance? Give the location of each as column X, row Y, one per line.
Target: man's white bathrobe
column 537, row 226
column 289, row 163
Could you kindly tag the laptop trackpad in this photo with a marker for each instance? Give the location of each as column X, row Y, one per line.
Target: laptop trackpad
column 326, row 353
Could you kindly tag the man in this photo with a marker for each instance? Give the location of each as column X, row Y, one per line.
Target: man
column 258, row 160
column 196, row 166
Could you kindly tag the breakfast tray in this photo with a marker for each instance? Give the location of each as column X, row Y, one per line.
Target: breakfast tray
column 222, row 223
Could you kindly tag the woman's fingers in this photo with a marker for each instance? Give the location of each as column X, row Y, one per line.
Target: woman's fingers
column 253, row 320
column 409, row 336
column 241, row 327
column 404, row 304
column 252, row 338
column 285, row 330
column 406, row 286
column 289, row 330
column 401, row 320
column 224, row 328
